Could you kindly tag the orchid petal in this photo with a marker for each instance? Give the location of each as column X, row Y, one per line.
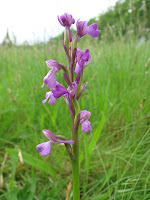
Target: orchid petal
column 92, row 30
column 54, row 138
column 53, row 64
column 48, row 95
column 52, row 100
column 45, row 148
column 65, row 141
column 72, row 89
column 84, row 115
column 79, row 74
column 50, row 135
column 66, row 20
column 77, row 67
column 81, row 28
column 59, row 90
column 51, row 81
column 86, row 125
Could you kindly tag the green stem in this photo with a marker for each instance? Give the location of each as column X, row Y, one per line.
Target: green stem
column 75, row 163
column 75, row 171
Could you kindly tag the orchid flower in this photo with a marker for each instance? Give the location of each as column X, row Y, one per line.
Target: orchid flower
column 82, row 60
column 45, row 147
column 83, row 29
column 66, row 20
column 50, row 96
column 77, row 60
column 50, row 78
column 86, row 125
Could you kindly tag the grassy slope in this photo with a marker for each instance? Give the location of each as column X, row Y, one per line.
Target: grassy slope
column 117, row 166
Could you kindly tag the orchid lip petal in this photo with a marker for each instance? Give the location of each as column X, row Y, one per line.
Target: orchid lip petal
column 48, row 95
column 52, row 99
column 86, row 126
column 45, row 148
column 42, row 85
column 83, row 29
column 92, row 30
column 50, row 79
column 44, row 101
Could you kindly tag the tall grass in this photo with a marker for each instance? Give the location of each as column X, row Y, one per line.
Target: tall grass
column 114, row 159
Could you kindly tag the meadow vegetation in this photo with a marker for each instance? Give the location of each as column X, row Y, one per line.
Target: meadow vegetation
column 114, row 158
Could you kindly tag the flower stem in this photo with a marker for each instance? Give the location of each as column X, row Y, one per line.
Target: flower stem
column 75, row 163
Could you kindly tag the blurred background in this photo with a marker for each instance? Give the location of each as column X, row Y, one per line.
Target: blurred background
column 115, row 157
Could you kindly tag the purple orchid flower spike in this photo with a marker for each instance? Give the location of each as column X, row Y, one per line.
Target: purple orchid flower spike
column 66, row 20
column 50, row 96
column 77, row 60
column 50, row 78
column 86, row 125
column 83, row 29
column 45, row 148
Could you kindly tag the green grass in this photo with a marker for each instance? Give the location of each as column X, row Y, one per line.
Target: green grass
column 115, row 159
